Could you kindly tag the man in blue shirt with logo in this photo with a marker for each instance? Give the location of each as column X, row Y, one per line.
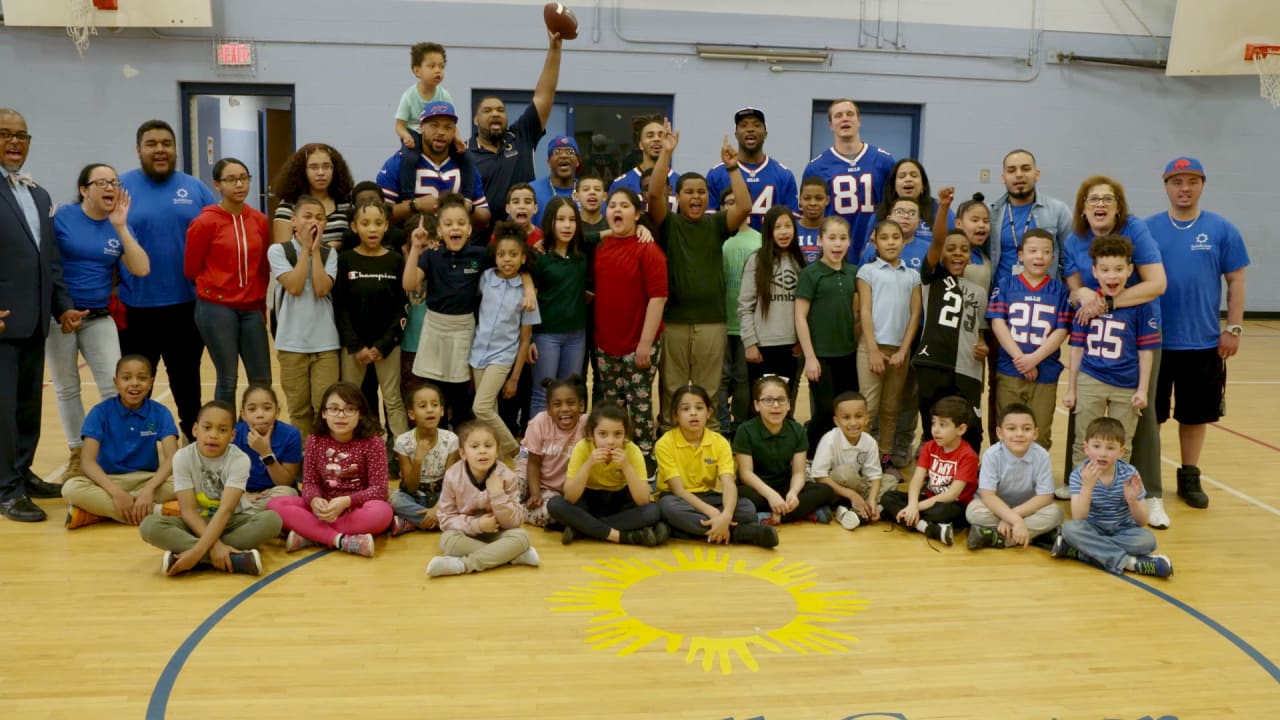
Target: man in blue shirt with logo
column 1199, row 249
column 159, row 308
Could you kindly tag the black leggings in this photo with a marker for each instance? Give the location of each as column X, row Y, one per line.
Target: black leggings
column 895, row 501
column 812, row 496
column 935, row 384
column 778, row 360
column 839, row 374
column 457, row 399
column 599, row 512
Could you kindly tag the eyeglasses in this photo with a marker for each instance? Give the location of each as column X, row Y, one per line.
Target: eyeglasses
column 326, row 167
column 563, row 152
column 236, row 180
column 903, row 212
column 1100, row 200
column 104, row 183
column 6, row 136
column 336, row 411
column 773, row 401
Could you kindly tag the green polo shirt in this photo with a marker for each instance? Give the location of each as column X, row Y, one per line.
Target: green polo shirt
column 830, row 296
column 695, row 268
column 771, row 454
column 562, row 287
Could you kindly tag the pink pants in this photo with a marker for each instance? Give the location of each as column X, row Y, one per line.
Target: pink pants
column 371, row 517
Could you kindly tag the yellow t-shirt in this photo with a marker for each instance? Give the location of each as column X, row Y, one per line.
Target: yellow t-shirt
column 605, row 477
column 699, row 467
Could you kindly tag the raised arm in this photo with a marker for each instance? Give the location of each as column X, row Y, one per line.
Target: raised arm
column 544, row 93
column 945, row 196
column 657, row 195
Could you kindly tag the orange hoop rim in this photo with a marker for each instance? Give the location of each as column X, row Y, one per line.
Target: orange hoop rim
column 1257, row 52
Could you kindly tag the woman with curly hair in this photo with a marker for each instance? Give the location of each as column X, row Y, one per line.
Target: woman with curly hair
column 318, row 170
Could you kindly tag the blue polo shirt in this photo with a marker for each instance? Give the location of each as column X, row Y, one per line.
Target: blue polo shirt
column 286, row 445
column 891, row 289
column 543, row 192
column 1195, row 259
column 127, row 438
column 913, row 253
column 159, row 216
column 498, row 326
column 453, row 278
column 91, row 250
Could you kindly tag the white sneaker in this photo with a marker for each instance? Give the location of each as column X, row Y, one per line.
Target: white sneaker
column 1158, row 518
column 847, row 518
column 446, row 565
column 1062, row 492
column 528, row 557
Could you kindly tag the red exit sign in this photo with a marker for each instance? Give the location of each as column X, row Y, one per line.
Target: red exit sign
column 234, row 54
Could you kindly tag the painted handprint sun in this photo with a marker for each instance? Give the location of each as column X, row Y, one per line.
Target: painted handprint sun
column 780, row 611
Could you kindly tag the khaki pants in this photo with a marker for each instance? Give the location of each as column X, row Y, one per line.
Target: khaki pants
column 1042, row 398
column 489, row 382
column 883, row 392
column 87, row 495
column 690, row 354
column 1046, row 519
column 847, row 476
column 388, row 370
column 1095, row 399
column 486, row 551
column 304, row 377
column 244, row 531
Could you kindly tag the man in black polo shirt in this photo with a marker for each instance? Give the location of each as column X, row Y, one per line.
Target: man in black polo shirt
column 504, row 155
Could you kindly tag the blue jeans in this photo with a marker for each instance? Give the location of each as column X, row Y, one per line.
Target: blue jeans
column 559, row 356
column 1109, row 545
column 231, row 336
column 410, row 506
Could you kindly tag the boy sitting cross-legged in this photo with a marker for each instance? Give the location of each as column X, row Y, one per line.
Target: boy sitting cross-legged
column 1015, row 486
column 1108, row 516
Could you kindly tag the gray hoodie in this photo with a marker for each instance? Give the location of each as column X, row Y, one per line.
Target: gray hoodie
column 779, row 327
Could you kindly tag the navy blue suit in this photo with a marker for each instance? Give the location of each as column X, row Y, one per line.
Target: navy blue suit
column 31, row 289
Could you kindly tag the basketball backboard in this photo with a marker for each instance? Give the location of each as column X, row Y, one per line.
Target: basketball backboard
column 1209, row 36
column 130, row 13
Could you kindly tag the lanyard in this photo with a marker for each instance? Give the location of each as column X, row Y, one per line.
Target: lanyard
column 1013, row 232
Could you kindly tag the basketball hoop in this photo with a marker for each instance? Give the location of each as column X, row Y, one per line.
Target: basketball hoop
column 80, row 23
column 1266, row 58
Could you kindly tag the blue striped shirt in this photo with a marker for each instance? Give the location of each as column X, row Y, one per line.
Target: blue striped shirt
column 1108, row 506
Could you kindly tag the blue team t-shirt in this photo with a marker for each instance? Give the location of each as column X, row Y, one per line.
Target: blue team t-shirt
column 913, row 253
column 90, row 250
column 286, row 445
column 1032, row 314
column 1195, row 259
column 1016, row 221
column 127, row 438
column 807, row 239
column 158, row 216
column 769, row 183
column 1112, row 340
column 1145, row 252
column 855, row 187
column 431, row 179
column 543, row 193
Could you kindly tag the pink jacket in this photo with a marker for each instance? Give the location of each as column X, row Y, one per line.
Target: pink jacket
column 462, row 503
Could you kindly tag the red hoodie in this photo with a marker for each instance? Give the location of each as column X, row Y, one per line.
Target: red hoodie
column 227, row 257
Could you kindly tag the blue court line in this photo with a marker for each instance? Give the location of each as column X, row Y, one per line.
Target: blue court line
column 164, row 684
column 1262, row 660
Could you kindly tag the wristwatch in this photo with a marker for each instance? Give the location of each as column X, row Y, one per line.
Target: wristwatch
column 1236, row 330
column 269, row 459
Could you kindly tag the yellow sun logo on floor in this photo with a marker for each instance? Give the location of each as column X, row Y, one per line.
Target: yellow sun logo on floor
column 715, row 609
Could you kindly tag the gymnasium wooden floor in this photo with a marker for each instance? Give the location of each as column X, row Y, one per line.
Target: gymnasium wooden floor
column 832, row 624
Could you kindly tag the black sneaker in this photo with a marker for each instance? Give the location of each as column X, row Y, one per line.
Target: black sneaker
column 643, row 537
column 981, row 537
column 756, row 534
column 661, row 533
column 567, row 535
column 1061, row 549
column 248, row 562
column 942, row 532
column 1189, row 487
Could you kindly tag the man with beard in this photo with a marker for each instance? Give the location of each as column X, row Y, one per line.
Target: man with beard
column 1019, row 209
column 31, row 294
column 649, row 131
column 769, row 181
column 562, row 158
column 439, row 170
column 504, row 155
column 160, row 308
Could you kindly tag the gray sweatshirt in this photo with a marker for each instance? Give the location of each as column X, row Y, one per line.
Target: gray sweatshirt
column 779, row 326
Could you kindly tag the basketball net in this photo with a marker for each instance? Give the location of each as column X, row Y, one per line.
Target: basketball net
column 80, row 23
column 1267, row 63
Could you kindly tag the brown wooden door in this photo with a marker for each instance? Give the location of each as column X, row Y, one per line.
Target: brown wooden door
column 279, row 145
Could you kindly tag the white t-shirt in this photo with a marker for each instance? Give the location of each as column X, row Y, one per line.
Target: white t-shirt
column 433, row 465
column 834, row 449
column 210, row 477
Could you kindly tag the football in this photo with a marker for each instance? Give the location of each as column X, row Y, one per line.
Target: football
column 560, row 19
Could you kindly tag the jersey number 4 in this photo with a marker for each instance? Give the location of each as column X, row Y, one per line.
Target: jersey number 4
column 1105, row 339
column 852, row 194
column 1030, row 323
